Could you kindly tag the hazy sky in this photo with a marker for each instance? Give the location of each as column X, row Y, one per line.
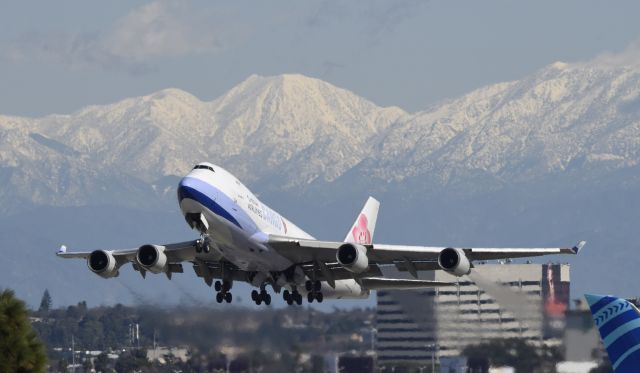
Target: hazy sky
column 57, row 56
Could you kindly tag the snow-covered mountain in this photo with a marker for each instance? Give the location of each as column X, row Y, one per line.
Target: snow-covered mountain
column 291, row 127
column 289, row 131
column 564, row 117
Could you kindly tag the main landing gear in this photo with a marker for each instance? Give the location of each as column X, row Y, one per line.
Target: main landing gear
column 223, row 291
column 292, row 297
column 313, row 289
column 261, row 296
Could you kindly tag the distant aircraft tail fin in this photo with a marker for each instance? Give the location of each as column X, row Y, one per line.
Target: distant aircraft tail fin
column 362, row 229
column 619, row 323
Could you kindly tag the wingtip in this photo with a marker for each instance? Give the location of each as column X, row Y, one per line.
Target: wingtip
column 61, row 250
column 577, row 248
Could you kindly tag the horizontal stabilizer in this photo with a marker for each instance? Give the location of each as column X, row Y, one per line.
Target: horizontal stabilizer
column 377, row 283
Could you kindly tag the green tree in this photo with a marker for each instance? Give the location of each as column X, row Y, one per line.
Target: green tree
column 20, row 348
column 101, row 364
column 45, row 303
column 131, row 361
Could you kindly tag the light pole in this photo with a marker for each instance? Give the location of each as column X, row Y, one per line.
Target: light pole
column 432, row 347
column 374, row 332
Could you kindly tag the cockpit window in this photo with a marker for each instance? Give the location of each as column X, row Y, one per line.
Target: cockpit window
column 204, row 167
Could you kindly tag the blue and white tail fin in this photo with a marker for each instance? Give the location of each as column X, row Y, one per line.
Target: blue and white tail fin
column 362, row 229
column 619, row 323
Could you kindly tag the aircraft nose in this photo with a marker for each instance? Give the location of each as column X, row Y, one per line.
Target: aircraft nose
column 185, row 186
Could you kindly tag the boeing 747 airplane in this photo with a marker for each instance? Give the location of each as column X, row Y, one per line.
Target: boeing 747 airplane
column 242, row 239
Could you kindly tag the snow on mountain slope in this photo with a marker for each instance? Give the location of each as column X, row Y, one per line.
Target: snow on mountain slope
column 299, row 129
column 290, row 130
column 564, row 117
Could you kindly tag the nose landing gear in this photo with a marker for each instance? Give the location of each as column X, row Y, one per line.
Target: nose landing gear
column 202, row 244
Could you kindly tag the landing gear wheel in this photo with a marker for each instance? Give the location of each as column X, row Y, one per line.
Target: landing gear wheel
column 267, row 300
column 217, row 286
column 308, row 285
column 219, row 297
column 317, row 286
column 286, row 295
column 298, row 298
column 255, row 295
column 228, row 297
column 319, row 297
column 289, row 301
column 310, row 297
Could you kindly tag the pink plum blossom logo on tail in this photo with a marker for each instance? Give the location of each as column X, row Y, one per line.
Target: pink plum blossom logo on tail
column 360, row 231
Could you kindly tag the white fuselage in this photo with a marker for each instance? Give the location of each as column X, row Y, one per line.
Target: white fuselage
column 238, row 223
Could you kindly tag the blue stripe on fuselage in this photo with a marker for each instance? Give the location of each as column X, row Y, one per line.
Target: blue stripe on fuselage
column 205, row 194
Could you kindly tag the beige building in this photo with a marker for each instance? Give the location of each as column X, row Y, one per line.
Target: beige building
column 495, row 301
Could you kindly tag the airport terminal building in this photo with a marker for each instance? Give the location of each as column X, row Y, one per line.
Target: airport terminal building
column 417, row 326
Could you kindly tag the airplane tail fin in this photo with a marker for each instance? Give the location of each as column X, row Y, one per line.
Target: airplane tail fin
column 362, row 229
column 619, row 324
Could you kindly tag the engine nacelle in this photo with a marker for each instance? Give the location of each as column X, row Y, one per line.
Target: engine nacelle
column 353, row 257
column 345, row 289
column 102, row 263
column 454, row 261
column 152, row 258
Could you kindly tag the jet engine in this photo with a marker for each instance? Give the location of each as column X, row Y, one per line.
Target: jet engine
column 102, row 263
column 152, row 258
column 345, row 289
column 454, row 261
column 353, row 257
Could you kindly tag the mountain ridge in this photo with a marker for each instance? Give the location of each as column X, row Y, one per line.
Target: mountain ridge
column 304, row 130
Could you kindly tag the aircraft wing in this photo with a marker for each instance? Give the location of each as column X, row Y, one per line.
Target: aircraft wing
column 304, row 250
column 175, row 252
column 120, row 255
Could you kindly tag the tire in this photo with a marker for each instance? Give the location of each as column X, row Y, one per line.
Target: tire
column 286, row 295
column 319, row 297
column 267, row 300
column 219, row 297
column 298, row 299
column 310, row 297
column 289, row 301
column 317, row 286
column 254, row 295
column 308, row 285
column 228, row 297
column 217, row 286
